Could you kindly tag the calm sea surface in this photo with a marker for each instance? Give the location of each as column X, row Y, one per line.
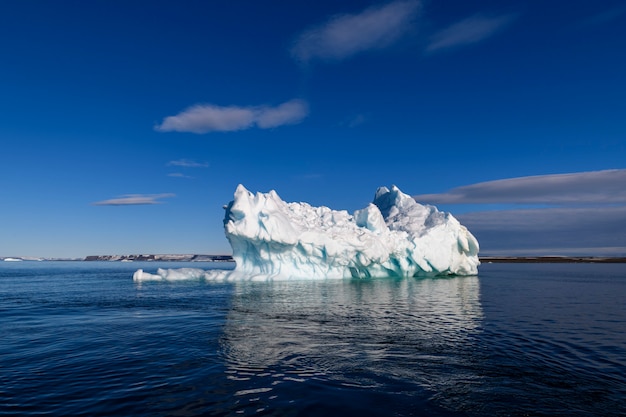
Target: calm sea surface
column 81, row 338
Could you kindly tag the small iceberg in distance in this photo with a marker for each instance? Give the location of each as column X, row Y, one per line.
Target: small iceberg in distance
column 181, row 274
column 394, row 236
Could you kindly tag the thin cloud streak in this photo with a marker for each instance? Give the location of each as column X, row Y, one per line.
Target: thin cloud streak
column 471, row 30
column 206, row 118
column 346, row 35
column 358, row 120
column 188, row 163
column 135, row 200
column 178, row 175
column 593, row 187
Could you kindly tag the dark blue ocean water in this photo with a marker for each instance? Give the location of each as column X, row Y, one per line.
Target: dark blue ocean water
column 81, row 338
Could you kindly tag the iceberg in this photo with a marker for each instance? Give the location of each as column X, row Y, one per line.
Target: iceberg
column 394, row 236
column 181, row 274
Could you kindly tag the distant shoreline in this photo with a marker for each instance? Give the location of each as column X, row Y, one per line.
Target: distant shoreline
column 161, row 258
column 131, row 258
column 228, row 258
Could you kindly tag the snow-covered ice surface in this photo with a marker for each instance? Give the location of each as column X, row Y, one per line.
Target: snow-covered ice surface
column 394, row 236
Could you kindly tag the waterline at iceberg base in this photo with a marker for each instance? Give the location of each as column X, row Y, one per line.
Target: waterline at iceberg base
column 394, row 236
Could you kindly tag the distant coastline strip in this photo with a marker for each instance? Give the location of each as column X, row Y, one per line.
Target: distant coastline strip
column 161, row 258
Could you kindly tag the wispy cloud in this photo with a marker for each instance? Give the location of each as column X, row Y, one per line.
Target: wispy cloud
column 205, row 118
column 606, row 16
column 357, row 120
column 188, row 163
column 134, row 200
column 311, row 176
column 471, row 30
column 178, row 175
column 596, row 187
column 346, row 35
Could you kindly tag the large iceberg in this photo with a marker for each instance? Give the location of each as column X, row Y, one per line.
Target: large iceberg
column 394, row 236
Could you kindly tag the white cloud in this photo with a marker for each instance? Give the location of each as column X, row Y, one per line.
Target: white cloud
column 593, row 187
column 287, row 113
column 205, row 118
column 468, row 31
column 188, row 163
column 134, row 200
column 346, row 35
column 178, row 175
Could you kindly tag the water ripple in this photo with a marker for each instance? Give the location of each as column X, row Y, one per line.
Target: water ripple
column 518, row 340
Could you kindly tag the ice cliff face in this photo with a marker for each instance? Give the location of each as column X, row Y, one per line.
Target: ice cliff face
column 393, row 236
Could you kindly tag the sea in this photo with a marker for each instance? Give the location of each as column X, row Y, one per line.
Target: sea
column 83, row 339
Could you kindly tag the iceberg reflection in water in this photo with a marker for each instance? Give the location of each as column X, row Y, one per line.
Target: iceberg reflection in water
column 360, row 340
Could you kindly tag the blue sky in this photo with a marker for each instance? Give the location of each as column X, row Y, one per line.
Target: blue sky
column 127, row 125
